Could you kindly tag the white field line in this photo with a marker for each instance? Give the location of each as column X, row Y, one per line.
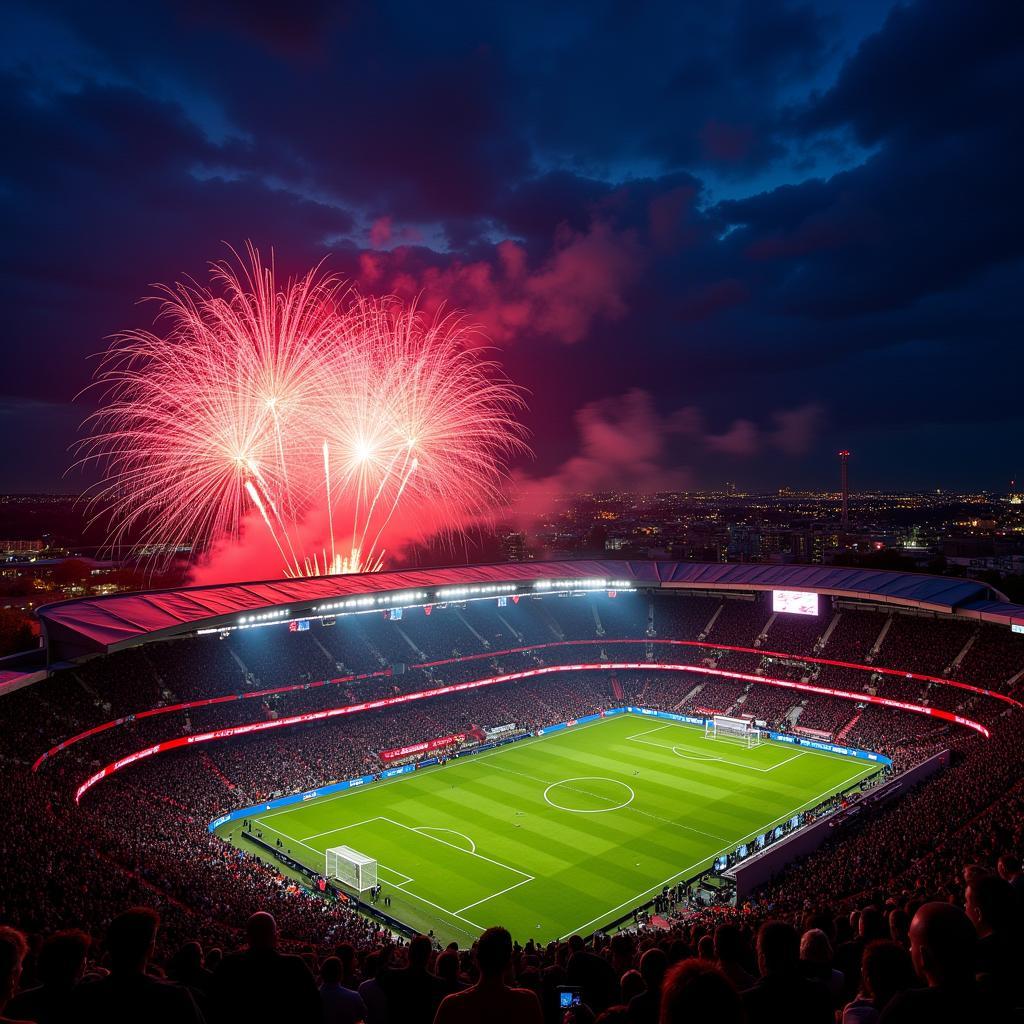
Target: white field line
column 803, row 750
column 436, row 828
column 408, row 892
column 699, row 755
column 416, row 829
column 468, row 853
column 527, row 877
column 320, row 801
column 647, row 732
column 397, row 885
column 320, row 853
column 638, row 898
column 395, row 871
column 419, row 773
column 494, row 896
column 629, row 807
column 331, row 831
column 443, row 910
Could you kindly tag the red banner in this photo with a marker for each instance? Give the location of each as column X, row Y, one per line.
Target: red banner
column 902, row 673
column 532, row 673
column 424, row 747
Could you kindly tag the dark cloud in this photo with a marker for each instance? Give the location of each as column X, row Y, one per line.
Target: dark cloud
column 559, row 175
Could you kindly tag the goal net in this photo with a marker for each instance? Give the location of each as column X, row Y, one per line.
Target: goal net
column 351, row 868
column 742, row 729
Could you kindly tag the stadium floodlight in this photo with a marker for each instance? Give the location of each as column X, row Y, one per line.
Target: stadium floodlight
column 350, row 867
column 736, row 728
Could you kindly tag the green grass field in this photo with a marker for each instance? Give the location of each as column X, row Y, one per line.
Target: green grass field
column 562, row 833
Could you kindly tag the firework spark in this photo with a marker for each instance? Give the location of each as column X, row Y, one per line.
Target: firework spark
column 296, row 402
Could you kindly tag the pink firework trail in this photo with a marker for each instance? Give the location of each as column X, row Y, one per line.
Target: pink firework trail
column 296, row 403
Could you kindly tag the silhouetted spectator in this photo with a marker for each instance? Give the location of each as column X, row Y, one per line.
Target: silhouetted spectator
column 371, row 991
column 1009, row 871
column 816, row 963
column 646, row 1007
column 870, row 924
column 592, row 974
column 447, row 969
column 341, row 1005
column 186, row 967
column 346, row 953
column 621, row 947
column 631, row 984
column 261, row 984
column 13, row 948
column 697, row 991
column 731, row 954
column 128, row 994
column 61, row 966
column 899, row 927
column 491, row 1000
column 943, row 946
column 782, row 994
column 992, row 908
column 885, row 971
column 412, row 990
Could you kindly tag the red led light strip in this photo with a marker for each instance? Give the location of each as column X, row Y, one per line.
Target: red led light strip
column 900, row 673
column 620, row 666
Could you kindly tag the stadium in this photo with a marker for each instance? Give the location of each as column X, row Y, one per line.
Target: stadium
column 569, row 748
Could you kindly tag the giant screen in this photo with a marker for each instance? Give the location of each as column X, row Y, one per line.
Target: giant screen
column 795, row 602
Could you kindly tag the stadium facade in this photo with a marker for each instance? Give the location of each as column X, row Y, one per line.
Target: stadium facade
column 267, row 701
column 102, row 625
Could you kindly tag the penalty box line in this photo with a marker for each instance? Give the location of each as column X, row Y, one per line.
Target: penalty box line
column 803, row 750
column 526, row 876
column 699, row 755
column 408, row 892
column 444, row 842
column 320, row 853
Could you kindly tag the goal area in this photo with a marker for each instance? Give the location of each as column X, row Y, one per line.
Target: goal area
column 351, row 868
column 741, row 729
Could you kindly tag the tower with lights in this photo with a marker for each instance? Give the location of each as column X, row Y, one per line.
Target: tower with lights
column 844, row 457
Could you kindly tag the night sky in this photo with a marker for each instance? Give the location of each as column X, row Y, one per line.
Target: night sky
column 715, row 241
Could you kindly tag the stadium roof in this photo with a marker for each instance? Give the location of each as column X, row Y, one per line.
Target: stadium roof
column 88, row 626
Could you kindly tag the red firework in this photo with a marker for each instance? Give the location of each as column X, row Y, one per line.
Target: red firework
column 300, row 402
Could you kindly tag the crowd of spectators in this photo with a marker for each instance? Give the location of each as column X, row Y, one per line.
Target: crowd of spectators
column 911, row 910
column 467, row 640
column 739, row 622
column 771, row 704
column 914, row 642
column 854, row 635
column 933, row 955
column 825, row 714
column 794, row 633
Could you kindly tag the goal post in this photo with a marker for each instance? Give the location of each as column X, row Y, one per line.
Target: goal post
column 742, row 729
column 351, row 868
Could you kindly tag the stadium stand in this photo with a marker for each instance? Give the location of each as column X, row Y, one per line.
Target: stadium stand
column 837, row 936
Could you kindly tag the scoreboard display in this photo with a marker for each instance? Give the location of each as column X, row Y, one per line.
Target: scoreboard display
column 794, row 602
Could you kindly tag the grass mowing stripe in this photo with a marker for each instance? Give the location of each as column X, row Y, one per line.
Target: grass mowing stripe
column 634, row 809
column 542, row 833
column 639, row 898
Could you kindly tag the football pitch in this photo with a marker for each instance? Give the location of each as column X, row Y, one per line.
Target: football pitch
column 561, row 833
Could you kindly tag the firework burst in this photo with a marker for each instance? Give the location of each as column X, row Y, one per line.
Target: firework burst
column 295, row 403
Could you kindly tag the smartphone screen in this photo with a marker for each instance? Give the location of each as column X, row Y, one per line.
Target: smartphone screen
column 568, row 997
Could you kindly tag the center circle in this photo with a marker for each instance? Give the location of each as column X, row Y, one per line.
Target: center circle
column 585, row 792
